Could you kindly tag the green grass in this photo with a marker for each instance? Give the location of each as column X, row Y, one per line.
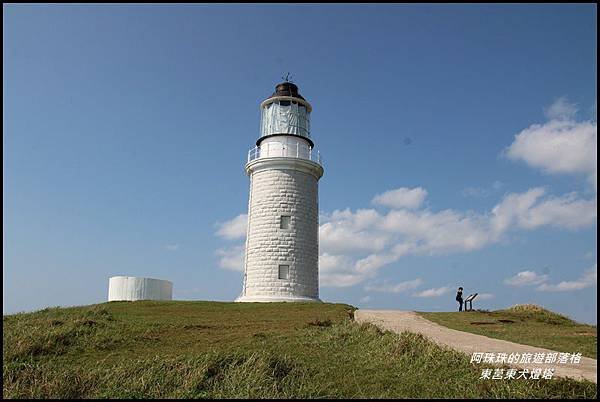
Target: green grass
column 526, row 324
column 233, row 350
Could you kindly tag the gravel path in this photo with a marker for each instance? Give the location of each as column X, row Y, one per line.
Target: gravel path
column 399, row 321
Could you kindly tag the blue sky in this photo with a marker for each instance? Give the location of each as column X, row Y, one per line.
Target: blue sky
column 459, row 146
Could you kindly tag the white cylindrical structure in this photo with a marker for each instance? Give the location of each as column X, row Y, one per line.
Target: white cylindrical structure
column 282, row 242
column 130, row 288
column 281, row 145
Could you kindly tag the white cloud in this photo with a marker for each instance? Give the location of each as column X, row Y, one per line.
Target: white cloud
column 340, row 279
column 347, row 232
column 530, row 278
column 372, row 262
column 231, row 258
column 526, row 278
column 476, row 192
column 171, row 247
column 395, row 288
column 512, row 207
column 588, row 279
column 485, row 296
column 402, row 197
column 337, row 271
column 567, row 211
column 365, row 299
column 528, row 211
column 497, row 185
column 234, row 228
column 437, row 232
column 482, row 192
column 561, row 145
column 561, row 109
column 434, row 292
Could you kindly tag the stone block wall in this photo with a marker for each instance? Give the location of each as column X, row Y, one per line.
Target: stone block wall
column 274, row 193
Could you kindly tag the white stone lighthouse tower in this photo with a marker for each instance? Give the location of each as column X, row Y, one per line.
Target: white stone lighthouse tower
column 282, row 243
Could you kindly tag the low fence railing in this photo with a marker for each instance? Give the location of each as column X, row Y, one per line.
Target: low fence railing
column 274, row 149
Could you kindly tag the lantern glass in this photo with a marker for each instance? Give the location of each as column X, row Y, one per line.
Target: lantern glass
column 285, row 117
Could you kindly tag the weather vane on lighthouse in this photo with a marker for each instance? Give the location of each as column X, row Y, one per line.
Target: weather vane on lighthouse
column 287, row 78
column 282, row 243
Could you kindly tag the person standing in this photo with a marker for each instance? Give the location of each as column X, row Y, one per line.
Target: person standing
column 459, row 298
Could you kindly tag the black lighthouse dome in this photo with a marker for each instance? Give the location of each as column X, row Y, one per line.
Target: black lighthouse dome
column 286, row 89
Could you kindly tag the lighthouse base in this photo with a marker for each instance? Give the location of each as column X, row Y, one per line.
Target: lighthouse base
column 276, row 299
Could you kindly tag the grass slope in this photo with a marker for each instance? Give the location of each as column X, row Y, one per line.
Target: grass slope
column 526, row 324
column 209, row 349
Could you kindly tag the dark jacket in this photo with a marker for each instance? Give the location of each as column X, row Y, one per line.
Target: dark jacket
column 459, row 295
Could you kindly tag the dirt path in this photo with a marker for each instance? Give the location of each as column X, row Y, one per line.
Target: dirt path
column 399, row 321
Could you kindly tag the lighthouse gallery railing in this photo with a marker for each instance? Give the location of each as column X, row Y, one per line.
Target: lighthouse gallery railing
column 273, row 149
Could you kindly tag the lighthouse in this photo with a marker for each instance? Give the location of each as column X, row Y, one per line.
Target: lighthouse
column 282, row 243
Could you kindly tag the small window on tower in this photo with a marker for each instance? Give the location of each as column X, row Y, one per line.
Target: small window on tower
column 284, row 271
column 285, row 222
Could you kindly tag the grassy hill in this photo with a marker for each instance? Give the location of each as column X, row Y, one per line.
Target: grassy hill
column 209, row 349
column 527, row 324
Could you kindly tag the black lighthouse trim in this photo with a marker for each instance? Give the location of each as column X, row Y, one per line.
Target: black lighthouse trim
column 312, row 144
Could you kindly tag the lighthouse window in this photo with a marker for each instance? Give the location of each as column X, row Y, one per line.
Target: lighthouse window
column 284, row 271
column 285, row 222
